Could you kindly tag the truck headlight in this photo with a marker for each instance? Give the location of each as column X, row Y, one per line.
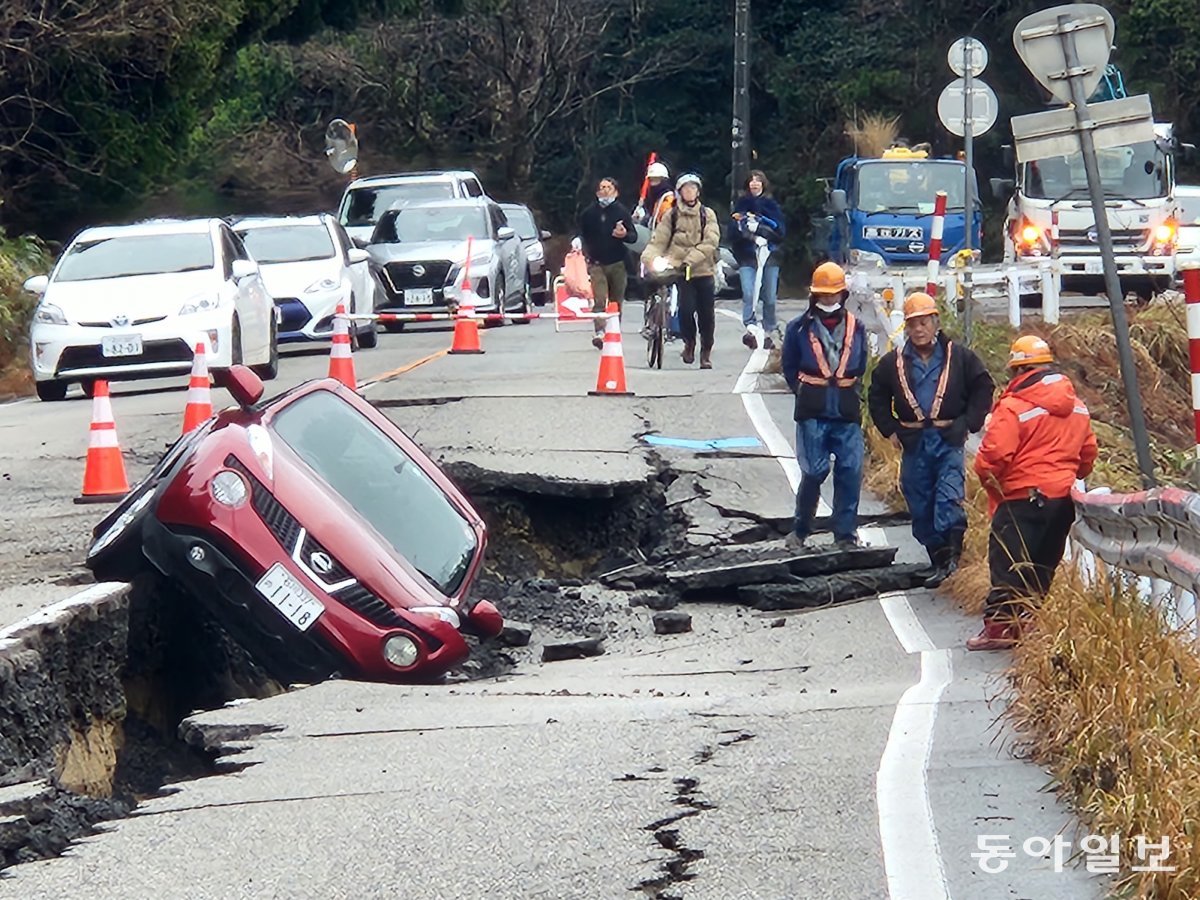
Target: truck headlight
column 400, row 650
column 229, row 489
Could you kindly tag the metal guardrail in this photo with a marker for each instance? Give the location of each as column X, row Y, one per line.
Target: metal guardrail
column 1153, row 536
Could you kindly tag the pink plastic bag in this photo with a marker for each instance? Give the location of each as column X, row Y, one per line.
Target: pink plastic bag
column 575, row 273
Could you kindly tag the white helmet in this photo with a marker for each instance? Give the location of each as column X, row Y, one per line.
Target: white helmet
column 657, row 170
column 689, row 178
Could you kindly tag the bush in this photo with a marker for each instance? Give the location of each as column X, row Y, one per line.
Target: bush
column 19, row 258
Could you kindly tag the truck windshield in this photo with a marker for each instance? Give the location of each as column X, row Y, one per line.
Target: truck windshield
column 1133, row 172
column 382, row 483
column 909, row 186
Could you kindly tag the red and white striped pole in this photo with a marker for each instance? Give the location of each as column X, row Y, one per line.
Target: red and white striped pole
column 1054, row 247
column 935, row 243
column 1191, row 292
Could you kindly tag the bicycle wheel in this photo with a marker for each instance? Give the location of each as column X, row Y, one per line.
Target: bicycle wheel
column 658, row 335
column 649, row 320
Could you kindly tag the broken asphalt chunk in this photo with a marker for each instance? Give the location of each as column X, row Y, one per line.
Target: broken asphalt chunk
column 515, row 634
column 672, row 622
column 654, row 600
column 766, row 565
column 573, row 649
column 823, row 590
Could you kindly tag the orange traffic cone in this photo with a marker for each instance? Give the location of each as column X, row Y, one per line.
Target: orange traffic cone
column 466, row 329
column 341, row 363
column 104, row 471
column 199, row 397
column 611, row 379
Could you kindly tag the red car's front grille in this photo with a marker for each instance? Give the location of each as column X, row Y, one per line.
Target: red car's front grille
column 287, row 529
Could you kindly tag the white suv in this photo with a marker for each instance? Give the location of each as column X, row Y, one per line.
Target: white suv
column 132, row 301
column 367, row 199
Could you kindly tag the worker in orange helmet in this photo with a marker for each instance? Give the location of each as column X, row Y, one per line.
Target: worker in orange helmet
column 926, row 397
column 824, row 359
column 1038, row 441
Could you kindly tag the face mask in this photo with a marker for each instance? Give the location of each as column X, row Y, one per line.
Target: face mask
column 829, row 310
column 605, row 201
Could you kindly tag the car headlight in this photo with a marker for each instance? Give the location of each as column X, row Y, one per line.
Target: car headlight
column 445, row 613
column 49, row 314
column 325, row 284
column 229, row 489
column 201, row 303
column 400, row 650
column 122, row 522
column 535, row 251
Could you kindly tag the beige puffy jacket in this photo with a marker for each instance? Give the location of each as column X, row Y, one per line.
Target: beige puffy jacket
column 687, row 247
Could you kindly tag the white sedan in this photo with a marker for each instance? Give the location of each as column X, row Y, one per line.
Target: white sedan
column 309, row 266
column 132, row 301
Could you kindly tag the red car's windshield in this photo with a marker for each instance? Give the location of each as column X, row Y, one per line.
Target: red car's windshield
column 383, row 484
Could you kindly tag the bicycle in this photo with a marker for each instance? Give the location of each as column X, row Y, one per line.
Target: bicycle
column 661, row 304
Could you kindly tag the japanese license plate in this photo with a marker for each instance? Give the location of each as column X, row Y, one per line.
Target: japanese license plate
column 290, row 597
column 121, row 345
column 1093, row 267
column 894, row 232
column 419, row 296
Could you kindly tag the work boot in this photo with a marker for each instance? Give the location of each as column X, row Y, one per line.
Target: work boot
column 598, row 340
column 849, row 543
column 750, row 340
column 943, row 566
column 996, row 635
column 797, row 544
column 706, row 358
column 689, row 352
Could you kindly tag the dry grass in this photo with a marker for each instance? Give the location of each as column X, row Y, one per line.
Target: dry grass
column 1104, row 696
column 874, row 134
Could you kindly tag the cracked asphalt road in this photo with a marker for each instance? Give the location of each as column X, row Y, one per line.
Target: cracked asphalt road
column 562, row 779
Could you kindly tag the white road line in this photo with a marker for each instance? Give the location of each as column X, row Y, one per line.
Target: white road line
column 912, row 856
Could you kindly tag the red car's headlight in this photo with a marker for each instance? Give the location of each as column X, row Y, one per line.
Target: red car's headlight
column 229, row 489
column 401, row 651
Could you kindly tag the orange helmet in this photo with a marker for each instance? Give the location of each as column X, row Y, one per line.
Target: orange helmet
column 1028, row 350
column 919, row 304
column 828, row 278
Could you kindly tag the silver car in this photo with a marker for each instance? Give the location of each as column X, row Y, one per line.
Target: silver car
column 1187, row 198
column 421, row 250
column 521, row 218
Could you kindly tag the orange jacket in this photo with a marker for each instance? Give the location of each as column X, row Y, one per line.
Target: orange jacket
column 1039, row 436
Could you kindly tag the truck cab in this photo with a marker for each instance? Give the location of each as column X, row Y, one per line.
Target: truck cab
column 879, row 211
column 1138, row 182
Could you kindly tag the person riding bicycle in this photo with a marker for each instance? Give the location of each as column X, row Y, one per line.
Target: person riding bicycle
column 686, row 241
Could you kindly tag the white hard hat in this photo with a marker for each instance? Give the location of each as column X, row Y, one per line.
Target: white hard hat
column 688, row 178
column 657, row 170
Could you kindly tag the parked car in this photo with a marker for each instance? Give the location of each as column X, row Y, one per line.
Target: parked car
column 521, row 218
column 315, row 530
column 132, row 301
column 365, row 200
column 1188, row 248
column 309, row 266
column 422, row 250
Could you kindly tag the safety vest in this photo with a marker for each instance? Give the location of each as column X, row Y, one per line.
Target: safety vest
column 828, row 377
column 911, row 398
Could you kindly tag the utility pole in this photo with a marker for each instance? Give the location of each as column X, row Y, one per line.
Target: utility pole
column 741, row 98
column 969, row 188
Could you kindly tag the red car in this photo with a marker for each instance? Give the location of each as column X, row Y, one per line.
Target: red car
column 323, row 538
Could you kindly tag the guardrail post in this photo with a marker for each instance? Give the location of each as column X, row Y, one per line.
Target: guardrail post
column 1049, row 272
column 1191, row 293
column 1012, row 276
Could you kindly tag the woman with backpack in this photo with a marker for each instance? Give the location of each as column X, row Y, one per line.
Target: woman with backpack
column 686, row 241
column 756, row 232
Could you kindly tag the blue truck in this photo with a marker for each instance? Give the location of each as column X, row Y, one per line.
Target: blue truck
column 879, row 213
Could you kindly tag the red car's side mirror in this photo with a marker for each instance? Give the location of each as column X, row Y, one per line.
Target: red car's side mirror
column 241, row 382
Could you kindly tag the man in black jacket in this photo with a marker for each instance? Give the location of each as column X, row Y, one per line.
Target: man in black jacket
column 605, row 228
column 925, row 398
